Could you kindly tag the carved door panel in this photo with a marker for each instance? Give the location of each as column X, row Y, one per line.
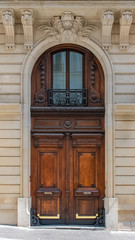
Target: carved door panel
column 88, row 178
column 47, row 178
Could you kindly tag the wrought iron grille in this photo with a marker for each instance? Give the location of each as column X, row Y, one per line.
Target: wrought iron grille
column 67, row 97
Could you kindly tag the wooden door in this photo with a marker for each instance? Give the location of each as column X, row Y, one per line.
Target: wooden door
column 67, row 177
column 67, row 115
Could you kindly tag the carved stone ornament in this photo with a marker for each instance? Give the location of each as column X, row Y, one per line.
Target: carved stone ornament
column 67, row 27
column 107, row 20
column 125, row 24
column 9, row 25
column 27, row 22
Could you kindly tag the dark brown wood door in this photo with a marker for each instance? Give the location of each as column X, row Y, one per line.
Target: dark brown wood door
column 67, row 119
column 67, row 177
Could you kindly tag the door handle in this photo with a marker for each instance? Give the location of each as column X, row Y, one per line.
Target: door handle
column 89, row 193
column 48, row 193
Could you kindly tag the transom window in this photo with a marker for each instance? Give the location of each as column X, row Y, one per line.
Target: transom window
column 67, row 70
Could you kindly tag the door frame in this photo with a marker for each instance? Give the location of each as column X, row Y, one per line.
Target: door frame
column 27, row 67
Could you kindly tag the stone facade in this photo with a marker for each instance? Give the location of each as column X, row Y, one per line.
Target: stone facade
column 27, row 29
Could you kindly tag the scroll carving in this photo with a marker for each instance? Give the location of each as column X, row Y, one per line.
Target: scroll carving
column 41, row 94
column 94, row 96
column 67, row 27
column 125, row 24
column 9, row 25
column 107, row 20
column 27, row 22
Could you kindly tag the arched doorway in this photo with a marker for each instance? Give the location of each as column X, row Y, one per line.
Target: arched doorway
column 67, row 150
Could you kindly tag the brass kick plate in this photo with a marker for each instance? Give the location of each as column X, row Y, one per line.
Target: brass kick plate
column 86, row 217
column 49, row 217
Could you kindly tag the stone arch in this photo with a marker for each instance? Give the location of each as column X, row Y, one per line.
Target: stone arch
column 27, row 67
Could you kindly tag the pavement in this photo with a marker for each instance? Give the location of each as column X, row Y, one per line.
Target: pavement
column 19, row 233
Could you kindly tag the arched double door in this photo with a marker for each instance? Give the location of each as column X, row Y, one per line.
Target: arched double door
column 67, row 137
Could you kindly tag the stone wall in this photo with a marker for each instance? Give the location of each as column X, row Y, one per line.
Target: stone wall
column 12, row 150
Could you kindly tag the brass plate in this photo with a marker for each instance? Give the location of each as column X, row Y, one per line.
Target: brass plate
column 86, row 217
column 49, row 217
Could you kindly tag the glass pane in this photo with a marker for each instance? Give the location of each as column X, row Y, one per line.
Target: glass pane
column 59, row 70
column 76, row 71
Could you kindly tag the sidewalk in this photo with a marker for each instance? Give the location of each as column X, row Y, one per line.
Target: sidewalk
column 17, row 233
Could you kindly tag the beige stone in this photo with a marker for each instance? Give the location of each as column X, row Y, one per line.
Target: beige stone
column 125, row 161
column 9, row 188
column 11, row 152
column 9, row 133
column 125, row 143
column 125, row 171
column 10, row 171
column 10, row 142
column 10, row 179
column 10, row 161
column 8, row 217
column 15, row 90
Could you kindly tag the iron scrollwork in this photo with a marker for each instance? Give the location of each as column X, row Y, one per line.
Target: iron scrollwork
column 34, row 220
column 67, row 97
column 100, row 221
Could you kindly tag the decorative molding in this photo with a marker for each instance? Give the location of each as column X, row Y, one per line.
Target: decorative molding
column 40, row 96
column 9, row 25
column 27, row 22
column 125, row 24
column 94, row 96
column 67, row 124
column 107, row 20
column 67, row 27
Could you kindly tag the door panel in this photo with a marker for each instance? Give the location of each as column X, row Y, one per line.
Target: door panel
column 88, row 202
column 69, row 169
column 49, row 193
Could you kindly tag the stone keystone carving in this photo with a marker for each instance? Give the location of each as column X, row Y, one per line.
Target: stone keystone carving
column 67, row 27
column 9, row 25
column 125, row 24
column 27, row 22
column 107, row 20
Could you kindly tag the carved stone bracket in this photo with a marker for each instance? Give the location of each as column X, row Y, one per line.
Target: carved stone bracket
column 125, row 24
column 107, row 20
column 27, row 22
column 9, row 25
column 67, row 27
